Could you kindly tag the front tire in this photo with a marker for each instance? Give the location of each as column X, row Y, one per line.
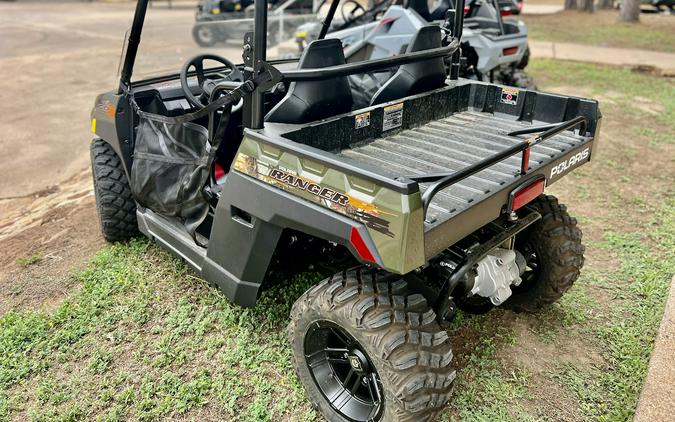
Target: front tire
column 369, row 317
column 554, row 255
column 114, row 202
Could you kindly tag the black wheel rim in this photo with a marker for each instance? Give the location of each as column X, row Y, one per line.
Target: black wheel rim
column 532, row 267
column 343, row 372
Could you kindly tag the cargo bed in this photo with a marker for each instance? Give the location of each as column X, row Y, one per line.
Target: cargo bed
column 462, row 150
column 452, row 144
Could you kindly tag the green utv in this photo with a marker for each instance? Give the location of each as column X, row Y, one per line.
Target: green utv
column 428, row 200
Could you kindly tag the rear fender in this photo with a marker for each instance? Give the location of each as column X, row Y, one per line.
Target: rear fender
column 249, row 219
column 393, row 219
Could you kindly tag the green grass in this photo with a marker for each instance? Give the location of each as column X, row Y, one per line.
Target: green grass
column 624, row 334
column 602, row 29
column 610, row 392
column 484, row 387
column 619, row 91
column 27, row 261
column 144, row 339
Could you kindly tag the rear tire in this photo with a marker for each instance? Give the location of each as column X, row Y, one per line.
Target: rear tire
column 115, row 204
column 554, row 242
column 525, row 60
column 204, row 35
column 396, row 331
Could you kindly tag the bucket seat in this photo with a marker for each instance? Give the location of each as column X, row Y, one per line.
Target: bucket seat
column 307, row 101
column 415, row 78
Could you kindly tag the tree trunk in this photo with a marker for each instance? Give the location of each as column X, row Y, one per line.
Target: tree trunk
column 570, row 4
column 587, row 6
column 606, row 4
column 630, row 11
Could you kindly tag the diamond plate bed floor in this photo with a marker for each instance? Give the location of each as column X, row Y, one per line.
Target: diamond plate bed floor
column 455, row 142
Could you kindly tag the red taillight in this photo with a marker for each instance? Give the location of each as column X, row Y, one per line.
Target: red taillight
column 523, row 195
column 506, row 12
column 218, row 172
column 360, row 246
column 510, row 51
column 466, row 9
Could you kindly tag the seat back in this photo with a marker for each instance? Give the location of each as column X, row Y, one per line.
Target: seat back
column 418, row 77
column 314, row 100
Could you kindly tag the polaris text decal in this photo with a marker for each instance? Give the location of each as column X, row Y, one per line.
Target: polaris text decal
column 569, row 163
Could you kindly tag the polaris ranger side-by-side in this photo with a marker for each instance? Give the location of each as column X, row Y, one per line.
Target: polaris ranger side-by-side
column 427, row 199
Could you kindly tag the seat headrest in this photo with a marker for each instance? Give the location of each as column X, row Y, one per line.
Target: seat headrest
column 426, row 38
column 322, row 53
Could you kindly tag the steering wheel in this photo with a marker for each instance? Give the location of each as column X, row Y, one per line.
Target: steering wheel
column 354, row 8
column 207, row 83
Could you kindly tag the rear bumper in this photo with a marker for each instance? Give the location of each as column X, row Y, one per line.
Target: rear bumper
column 491, row 48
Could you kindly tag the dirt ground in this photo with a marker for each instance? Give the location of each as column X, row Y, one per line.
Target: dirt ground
column 55, row 58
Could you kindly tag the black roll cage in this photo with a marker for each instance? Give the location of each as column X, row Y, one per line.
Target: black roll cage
column 254, row 104
column 259, row 55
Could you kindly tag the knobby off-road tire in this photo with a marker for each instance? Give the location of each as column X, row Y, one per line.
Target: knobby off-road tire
column 396, row 330
column 115, row 204
column 525, row 60
column 555, row 243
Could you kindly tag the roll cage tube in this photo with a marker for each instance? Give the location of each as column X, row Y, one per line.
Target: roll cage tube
column 260, row 44
column 325, row 25
column 132, row 45
column 367, row 66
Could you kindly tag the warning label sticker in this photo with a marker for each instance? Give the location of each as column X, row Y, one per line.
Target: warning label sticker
column 393, row 117
column 362, row 120
column 510, row 96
